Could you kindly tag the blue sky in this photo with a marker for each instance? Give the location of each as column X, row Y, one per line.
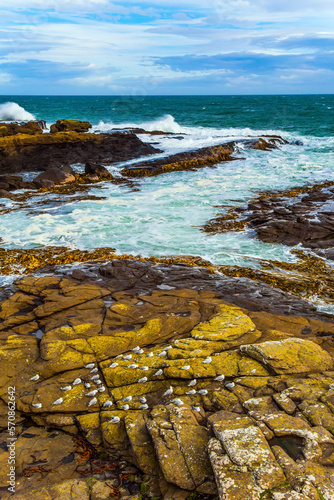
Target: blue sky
column 136, row 47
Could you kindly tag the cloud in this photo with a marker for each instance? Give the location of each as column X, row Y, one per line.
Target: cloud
column 168, row 46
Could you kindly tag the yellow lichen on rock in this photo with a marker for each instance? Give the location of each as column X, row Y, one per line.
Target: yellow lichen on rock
column 290, row 356
column 229, row 324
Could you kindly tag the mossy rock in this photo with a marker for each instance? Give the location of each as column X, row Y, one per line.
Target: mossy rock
column 70, row 126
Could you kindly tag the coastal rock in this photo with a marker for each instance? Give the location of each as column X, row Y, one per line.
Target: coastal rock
column 29, row 128
column 70, row 126
column 299, row 215
column 44, row 151
column 13, row 182
column 97, row 171
column 54, row 175
column 147, row 376
column 180, row 443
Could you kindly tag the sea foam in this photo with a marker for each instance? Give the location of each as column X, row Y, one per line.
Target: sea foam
column 12, row 111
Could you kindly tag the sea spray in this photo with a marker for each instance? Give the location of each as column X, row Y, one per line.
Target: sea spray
column 11, row 111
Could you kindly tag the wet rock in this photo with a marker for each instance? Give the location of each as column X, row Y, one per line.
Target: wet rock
column 299, row 215
column 38, row 446
column 55, row 175
column 5, row 194
column 97, row 171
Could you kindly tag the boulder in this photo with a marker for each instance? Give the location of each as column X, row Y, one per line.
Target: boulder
column 55, row 175
column 70, row 126
column 97, row 170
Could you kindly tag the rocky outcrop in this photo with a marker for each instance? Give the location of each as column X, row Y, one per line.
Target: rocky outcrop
column 198, row 395
column 183, row 161
column 70, row 126
column 44, row 151
column 300, row 215
column 29, row 128
column 199, row 158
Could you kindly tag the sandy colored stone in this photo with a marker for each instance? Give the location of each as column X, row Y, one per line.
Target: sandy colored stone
column 18, row 309
column 90, row 424
column 285, row 403
column 317, row 413
column 114, row 435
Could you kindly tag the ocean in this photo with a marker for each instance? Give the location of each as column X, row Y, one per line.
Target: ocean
column 164, row 217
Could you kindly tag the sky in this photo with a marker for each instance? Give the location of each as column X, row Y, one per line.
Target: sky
column 166, row 47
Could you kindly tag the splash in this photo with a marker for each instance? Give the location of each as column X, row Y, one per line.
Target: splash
column 166, row 123
column 12, row 111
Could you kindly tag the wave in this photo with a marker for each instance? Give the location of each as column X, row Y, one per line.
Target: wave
column 166, row 123
column 12, row 111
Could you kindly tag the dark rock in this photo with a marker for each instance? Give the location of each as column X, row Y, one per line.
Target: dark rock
column 55, row 175
column 41, row 152
column 13, row 182
column 97, row 170
column 44, row 184
column 67, row 169
column 42, row 124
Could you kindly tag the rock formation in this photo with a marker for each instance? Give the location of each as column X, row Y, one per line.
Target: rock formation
column 197, row 394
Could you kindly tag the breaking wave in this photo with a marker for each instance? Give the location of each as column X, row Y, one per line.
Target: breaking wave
column 12, row 111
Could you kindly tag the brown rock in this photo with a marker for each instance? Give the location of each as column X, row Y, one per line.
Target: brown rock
column 70, row 126
column 98, row 171
column 55, row 175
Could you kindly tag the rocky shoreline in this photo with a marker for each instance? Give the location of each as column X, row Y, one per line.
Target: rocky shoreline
column 160, row 368
column 300, row 215
column 164, row 378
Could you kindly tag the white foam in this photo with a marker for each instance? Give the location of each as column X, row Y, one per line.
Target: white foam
column 167, row 123
column 12, row 111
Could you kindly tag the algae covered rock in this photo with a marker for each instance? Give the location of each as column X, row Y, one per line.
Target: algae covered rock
column 70, row 126
column 29, row 128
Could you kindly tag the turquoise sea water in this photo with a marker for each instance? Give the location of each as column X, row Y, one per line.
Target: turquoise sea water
column 164, row 216
column 305, row 115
